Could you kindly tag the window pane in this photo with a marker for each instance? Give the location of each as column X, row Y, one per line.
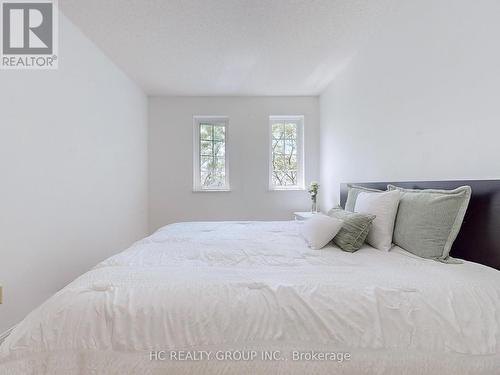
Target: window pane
column 291, row 162
column 279, row 162
column 278, row 147
column 285, row 178
column 290, row 130
column 219, row 133
column 219, row 148
column 213, row 179
column 290, row 178
column 288, row 162
column 278, row 130
column 290, row 147
column 206, row 148
column 213, row 165
column 278, row 178
column 206, row 163
column 207, row 178
column 219, row 165
column 219, row 180
column 284, row 162
column 205, row 132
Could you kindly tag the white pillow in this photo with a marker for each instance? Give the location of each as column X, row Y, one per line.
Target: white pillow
column 385, row 207
column 319, row 230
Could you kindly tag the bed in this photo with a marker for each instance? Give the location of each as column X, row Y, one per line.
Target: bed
column 252, row 298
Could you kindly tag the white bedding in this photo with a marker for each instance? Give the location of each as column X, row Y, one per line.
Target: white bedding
column 255, row 286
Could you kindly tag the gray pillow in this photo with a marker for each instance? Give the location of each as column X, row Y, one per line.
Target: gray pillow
column 354, row 230
column 352, row 194
column 428, row 221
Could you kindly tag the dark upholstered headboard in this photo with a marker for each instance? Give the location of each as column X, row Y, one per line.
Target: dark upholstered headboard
column 479, row 238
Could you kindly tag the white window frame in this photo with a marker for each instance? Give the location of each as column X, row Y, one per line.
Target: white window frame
column 300, row 152
column 197, row 121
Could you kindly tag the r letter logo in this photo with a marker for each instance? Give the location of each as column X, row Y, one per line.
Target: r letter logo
column 29, row 34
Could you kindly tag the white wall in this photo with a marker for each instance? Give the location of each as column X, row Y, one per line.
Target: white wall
column 171, row 160
column 73, row 167
column 421, row 101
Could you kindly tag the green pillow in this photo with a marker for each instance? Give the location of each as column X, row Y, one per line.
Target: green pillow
column 354, row 230
column 428, row 221
column 352, row 194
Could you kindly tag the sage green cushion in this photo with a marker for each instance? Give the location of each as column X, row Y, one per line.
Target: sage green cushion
column 354, row 230
column 428, row 221
column 352, row 194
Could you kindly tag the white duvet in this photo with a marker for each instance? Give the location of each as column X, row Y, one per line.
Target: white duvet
column 254, row 287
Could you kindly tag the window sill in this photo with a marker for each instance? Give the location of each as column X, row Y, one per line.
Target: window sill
column 211, row 190
column 287, row 189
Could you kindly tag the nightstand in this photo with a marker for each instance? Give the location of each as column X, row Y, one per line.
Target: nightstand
column 303, row 215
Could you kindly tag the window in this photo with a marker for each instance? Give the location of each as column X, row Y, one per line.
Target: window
column 286, row 170
column 210, row 156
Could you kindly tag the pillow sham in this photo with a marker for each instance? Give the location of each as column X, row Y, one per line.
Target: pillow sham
column 384, row 206
column 428, row 221
column 354, row 230
column 319, row 230
column 352, row 194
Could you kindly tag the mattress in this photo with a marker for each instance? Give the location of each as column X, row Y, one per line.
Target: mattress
column 250, row 298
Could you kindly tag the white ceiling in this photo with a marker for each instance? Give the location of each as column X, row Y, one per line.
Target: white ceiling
column 227, row 47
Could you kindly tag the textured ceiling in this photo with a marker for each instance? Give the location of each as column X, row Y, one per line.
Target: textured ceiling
column 227, row 47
